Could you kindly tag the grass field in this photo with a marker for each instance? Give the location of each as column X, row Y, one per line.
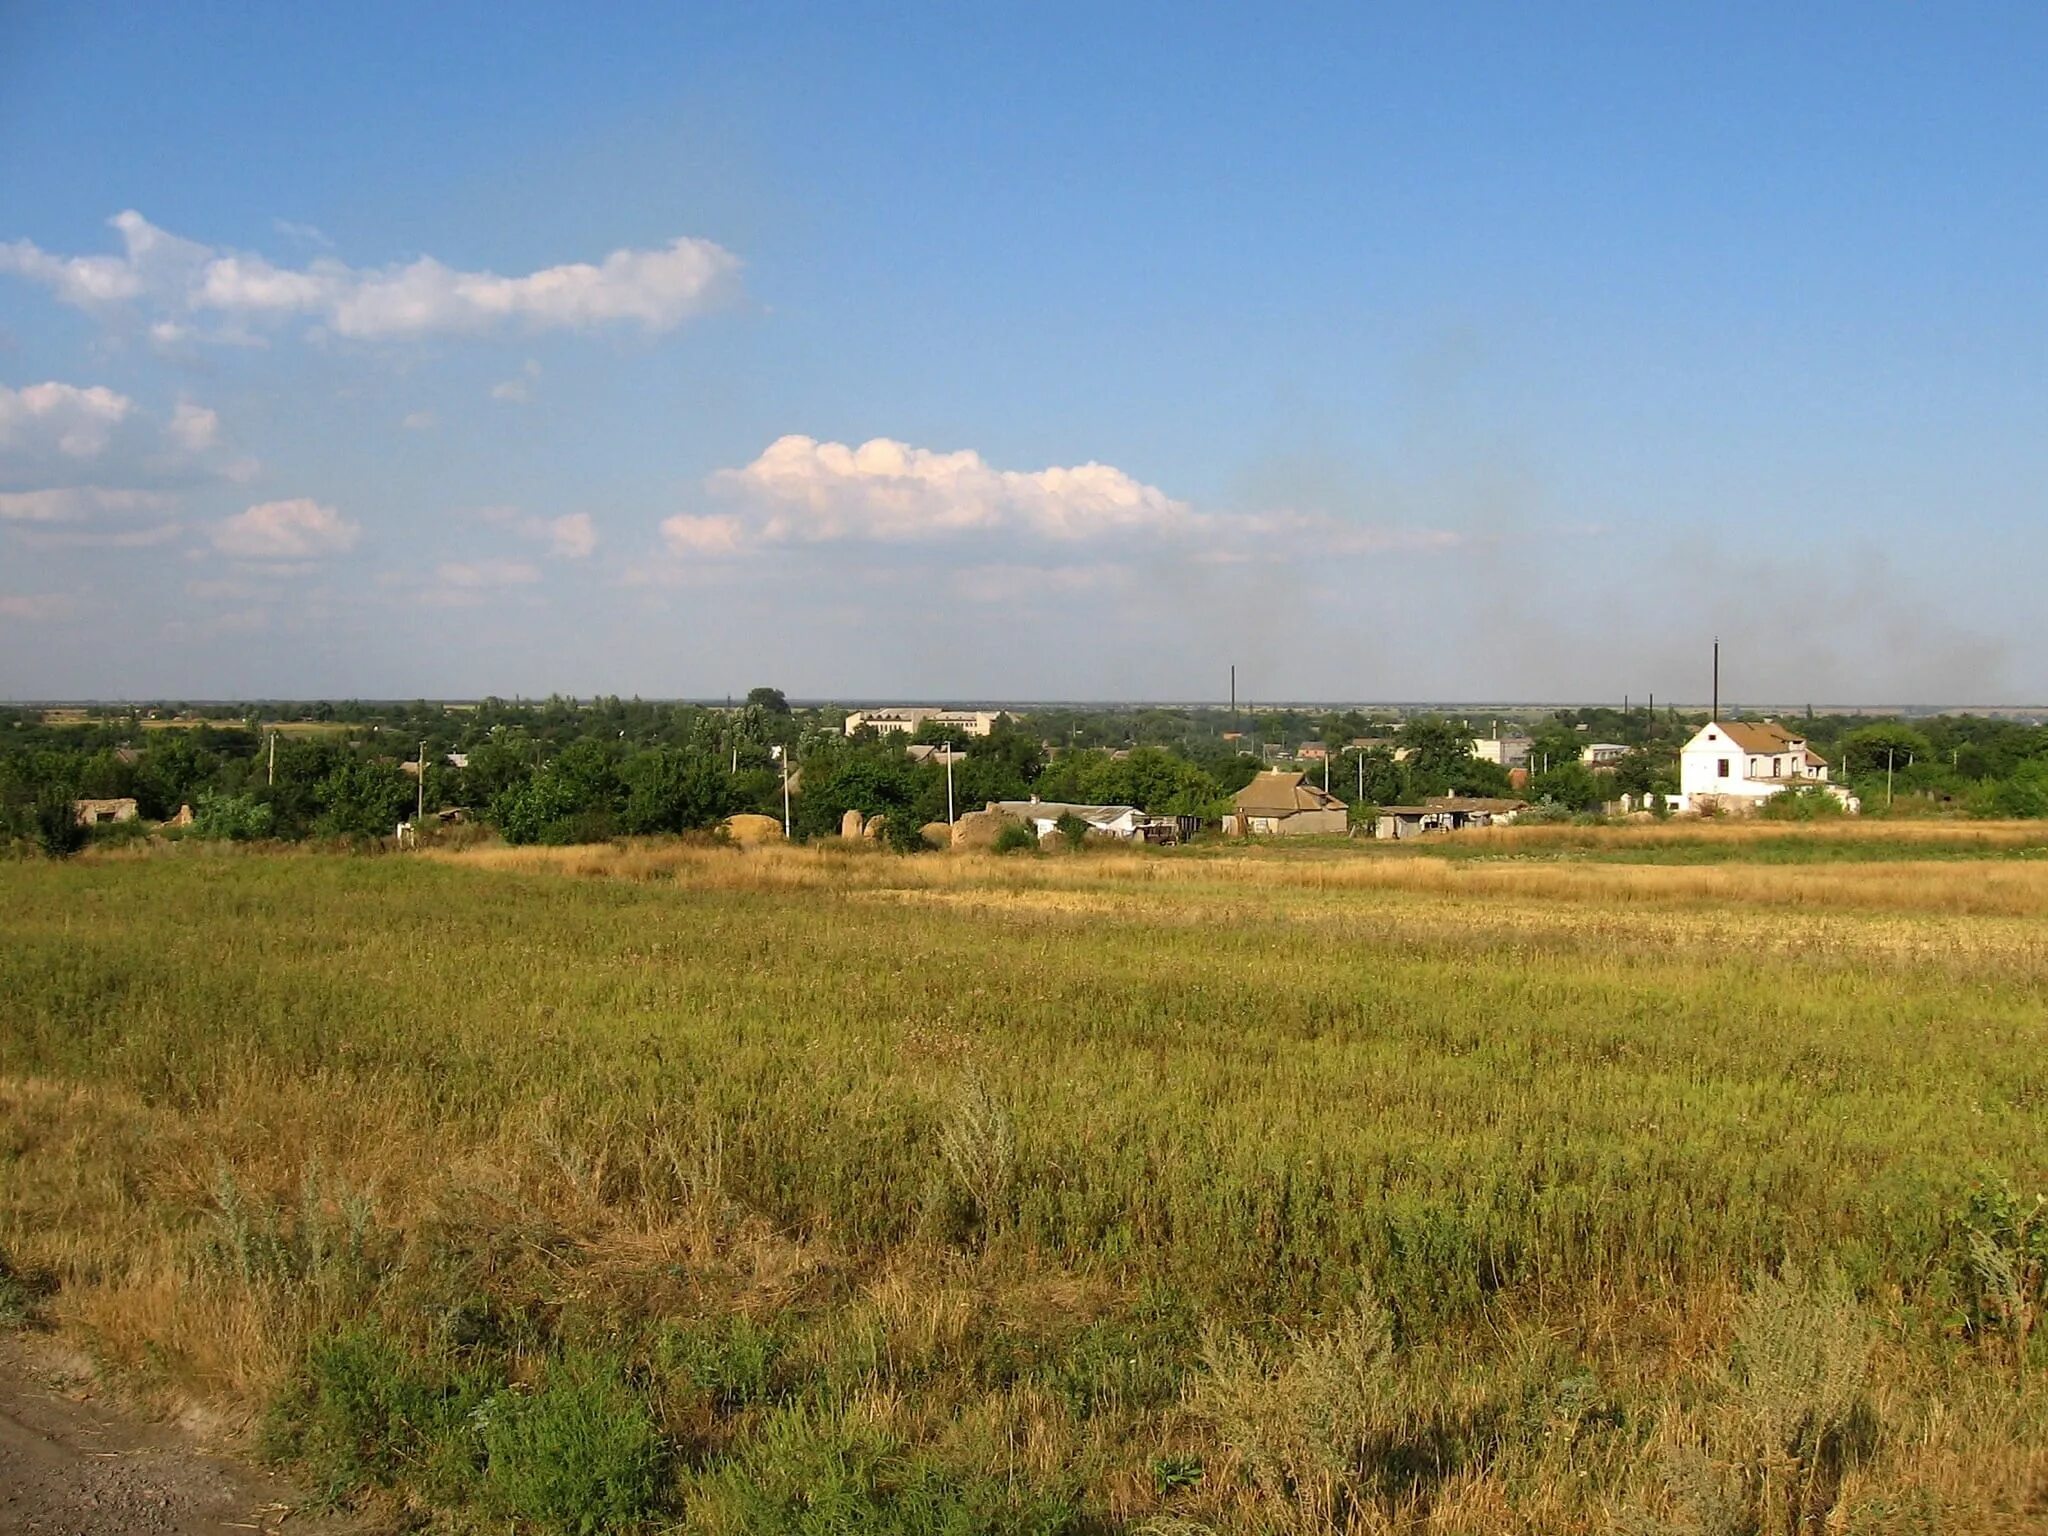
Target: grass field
column 1652, row 1179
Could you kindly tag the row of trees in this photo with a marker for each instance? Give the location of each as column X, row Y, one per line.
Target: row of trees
column 560, row 771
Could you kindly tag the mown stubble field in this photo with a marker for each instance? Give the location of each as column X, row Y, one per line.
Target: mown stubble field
column 1671, row 1179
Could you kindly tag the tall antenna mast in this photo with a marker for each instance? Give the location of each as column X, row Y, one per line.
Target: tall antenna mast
column 1717, row 679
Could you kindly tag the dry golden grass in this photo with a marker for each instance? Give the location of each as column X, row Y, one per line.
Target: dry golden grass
column 1565, row 1111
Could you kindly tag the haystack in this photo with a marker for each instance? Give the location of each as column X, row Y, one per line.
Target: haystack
column 876, row 825
column 980, row 829
column 750, row 830
column 851, row 825
column 936, row 834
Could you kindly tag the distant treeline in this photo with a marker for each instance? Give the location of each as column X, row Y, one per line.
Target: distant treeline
column 563, row 770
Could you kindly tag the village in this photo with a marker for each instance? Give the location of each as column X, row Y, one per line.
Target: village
column 925, row 776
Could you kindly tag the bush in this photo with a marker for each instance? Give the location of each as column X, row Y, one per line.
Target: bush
column 234, row 818
column 1809, row 802
column 811, row 1474
column 58, row 833
column 1072, row 829
column 579, row 1456
column 1016, row 838
column 364, row 1415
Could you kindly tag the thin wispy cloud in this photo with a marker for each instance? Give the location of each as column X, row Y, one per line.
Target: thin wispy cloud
column 194, row 290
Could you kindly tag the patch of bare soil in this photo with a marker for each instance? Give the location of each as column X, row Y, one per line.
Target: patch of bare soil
column 73, row 1463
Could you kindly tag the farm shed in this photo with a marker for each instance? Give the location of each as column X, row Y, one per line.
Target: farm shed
column 103, row 813
column 1284, row 804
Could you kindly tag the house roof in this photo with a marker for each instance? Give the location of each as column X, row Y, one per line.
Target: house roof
column 1492, row 806
column 1282, row 794
column 1764, row 736
column 1053, row 810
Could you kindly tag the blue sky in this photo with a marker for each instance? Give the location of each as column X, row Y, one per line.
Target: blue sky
column 1474, row 352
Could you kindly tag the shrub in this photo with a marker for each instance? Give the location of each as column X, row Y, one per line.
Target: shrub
column 234, row 818
column 1072, row 829
column 734, row 1362
column 1800, row 1417
column 58, row 833
column 580, row 1455
column 814, row 1474
column 1808, row 802
column 364, row 1414
column 1016, row 838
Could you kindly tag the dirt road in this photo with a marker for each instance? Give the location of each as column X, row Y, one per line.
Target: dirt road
column 72, row 1464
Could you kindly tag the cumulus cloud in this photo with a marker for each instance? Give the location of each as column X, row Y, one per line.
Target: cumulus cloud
column 77, row 423
column 298, row 530
column 185, row 280
column 802, row 491
column 885, row 490
column 705, row 534
column 194, row 427
column 418, row 421
column 572, row 536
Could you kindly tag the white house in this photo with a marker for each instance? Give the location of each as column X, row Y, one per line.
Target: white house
column 968, row 722
column 1126, row 822
column 1508, row 751
column 1602, row 754
column 1736, row 765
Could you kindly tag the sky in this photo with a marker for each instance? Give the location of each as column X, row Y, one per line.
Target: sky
column 1458, row 352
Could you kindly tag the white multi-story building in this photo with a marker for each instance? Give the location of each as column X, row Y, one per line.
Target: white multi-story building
column 908, row 719
column 1736, row 765
column 1508, row 751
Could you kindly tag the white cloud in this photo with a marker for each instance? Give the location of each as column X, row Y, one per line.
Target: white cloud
column 296, row 530
column 572, row 536
column 655, row 290
column 518, row 390
column 802, row 491
column 77, row 423
column 711, row 534
column 99, row 538
column 194, row 427
column 810, row 491
column 79, row 503
column 36, row 607
column 473, row 574
column 418, row 421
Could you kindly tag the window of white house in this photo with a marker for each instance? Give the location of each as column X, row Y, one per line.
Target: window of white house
column 1721, row 767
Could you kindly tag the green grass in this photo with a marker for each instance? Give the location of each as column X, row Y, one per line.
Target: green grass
column 788, row 1194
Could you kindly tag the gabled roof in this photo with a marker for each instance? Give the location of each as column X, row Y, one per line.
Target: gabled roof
column 1761, row 736
column 1489, row 805
column 1282, row 794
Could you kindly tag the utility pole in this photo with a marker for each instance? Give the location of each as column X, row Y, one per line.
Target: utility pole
column 1361, row 778
column 1716, row 715
column 272, row 780
column 1889, row 754
column 948, row 750
column 420, row 811
column 785, row 792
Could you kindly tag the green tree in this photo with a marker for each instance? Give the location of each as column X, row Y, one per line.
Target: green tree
column 768, row 700
column 58, row 832
column 362, row 797
column 1438, row 749
column 674, row 791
